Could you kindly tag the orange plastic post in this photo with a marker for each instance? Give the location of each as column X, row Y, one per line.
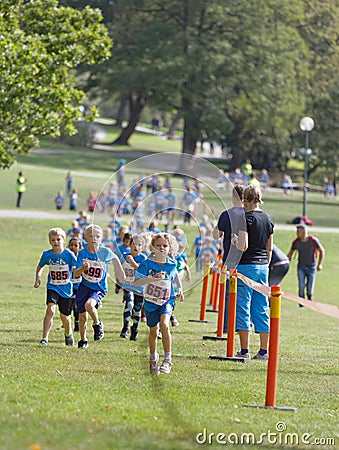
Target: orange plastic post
column 231, row 313
column 218, row 265
column 273, row 350
column 214, row 276
column 221, row 310
column 204, row 290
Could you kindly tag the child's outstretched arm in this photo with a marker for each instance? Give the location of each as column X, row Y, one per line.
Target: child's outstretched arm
column 38, row 274
column 131, row 261
column 77, row 272
column 118, row 270
column 149, row 279
column 180, row 290
column 188, row 273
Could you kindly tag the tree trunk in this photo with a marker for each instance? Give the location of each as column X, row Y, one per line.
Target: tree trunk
column 174, row 126
column 135, row 108
column 186, row 166
column 121, row 110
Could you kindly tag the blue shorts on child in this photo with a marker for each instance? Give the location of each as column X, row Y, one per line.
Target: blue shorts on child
column 153, row 316
column 83, row 294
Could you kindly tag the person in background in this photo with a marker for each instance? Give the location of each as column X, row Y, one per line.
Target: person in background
column 227, row 226
column 59, row 200
column 20, row 188
column 308, row 248
column 75, row 245
column 134, row 301
column 264, row 179
column 69, row 182
column 255, row 240
column 73, row 200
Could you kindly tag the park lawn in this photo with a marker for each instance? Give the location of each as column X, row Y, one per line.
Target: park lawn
column 94, row 169
column 104, row 397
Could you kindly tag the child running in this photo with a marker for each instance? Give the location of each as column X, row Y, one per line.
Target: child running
column 75, row 245
column 59, row 283
column 134, row 301
column 159, row 275
column 92, row 264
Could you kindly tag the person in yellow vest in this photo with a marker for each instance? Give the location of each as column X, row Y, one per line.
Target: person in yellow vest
column 254, row 180
column 20, row 187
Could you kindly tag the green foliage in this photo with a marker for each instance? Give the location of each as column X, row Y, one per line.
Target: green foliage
column 40, row 46
column 245, row 71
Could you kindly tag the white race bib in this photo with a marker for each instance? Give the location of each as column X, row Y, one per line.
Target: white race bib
column 158, row 292
column 94, row 272
column 59, row 274
column 76, row 280
column 129, row 272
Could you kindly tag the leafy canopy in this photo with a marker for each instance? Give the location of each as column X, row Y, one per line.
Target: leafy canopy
column 40, row 46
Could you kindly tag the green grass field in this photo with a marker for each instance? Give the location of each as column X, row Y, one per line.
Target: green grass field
column 104, row 397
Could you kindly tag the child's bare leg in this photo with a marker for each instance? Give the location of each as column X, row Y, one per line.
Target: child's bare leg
column 166, row 334
column 152, row 339
column 83, row 325
column 66, row 321
column 48, row 320
column 92, row 310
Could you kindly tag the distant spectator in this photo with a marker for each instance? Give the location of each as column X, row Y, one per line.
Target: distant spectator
column 238, row 177
column 69, row 182
column 264, row 179
column 253, row 181
column 246, row 169
column 310, row 258
column 59, row 200
column 286, row 184
column 20, row 188
column 91, row 201
column 328, row 188
column 120, row 172
column 73, row 200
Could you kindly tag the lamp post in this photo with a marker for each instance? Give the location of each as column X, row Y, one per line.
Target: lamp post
column 307, row 125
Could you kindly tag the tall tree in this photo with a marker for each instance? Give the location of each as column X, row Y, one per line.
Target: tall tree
column 229, row 69
column 244, row 70
column 41, row 45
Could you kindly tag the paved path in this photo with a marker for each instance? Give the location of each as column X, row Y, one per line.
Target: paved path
column 29, row 214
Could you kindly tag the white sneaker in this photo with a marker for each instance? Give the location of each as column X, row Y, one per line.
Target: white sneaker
column 246, row 356
column 154, row 366
column 166, row 366
column 260, row 357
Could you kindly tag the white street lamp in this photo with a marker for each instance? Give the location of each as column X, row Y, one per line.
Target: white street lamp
column 307, row 125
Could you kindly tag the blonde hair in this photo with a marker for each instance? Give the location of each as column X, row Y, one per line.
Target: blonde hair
column 93, row 228
column 56, row 230
column 161, row 235
column 252, row 194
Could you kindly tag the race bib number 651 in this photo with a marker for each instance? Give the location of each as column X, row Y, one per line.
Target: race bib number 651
column 158, row 292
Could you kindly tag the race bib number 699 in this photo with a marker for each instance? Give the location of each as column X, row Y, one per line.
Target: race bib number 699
column 94, row 272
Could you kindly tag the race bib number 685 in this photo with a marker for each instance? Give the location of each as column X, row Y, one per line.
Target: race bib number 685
column 59, row 274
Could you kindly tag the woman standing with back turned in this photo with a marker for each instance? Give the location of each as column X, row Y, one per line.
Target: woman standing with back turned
column 255, row 241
